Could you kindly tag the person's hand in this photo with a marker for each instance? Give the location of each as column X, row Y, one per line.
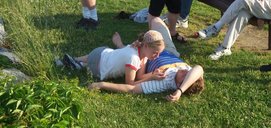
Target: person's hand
column 95, row 85
column 260, row 23
column 175, row 96
column 158, row 75
column 116, row 39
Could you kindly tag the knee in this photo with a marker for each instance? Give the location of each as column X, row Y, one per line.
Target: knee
column 156, row 20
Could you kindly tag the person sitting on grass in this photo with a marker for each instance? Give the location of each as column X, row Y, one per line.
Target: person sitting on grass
column 177, row 76
column 106, row 63
column 237, row 16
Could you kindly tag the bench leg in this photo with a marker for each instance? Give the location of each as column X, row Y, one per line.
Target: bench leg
column 269, row 35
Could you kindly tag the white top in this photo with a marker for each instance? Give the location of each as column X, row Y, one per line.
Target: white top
column 113, row 62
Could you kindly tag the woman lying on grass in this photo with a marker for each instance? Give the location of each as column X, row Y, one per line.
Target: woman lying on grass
column 107, row 63
column 175, row 75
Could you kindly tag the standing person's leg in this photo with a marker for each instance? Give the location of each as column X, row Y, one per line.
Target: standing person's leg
column 173, row 7
column 172, row 20
column 155, row 9
column 89, row 9
column 90, row 17
column 158, row 25
column 234, row 30
column 184, row 13
column 229, row 15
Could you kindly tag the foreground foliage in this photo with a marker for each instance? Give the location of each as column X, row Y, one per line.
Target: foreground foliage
column 39, row 103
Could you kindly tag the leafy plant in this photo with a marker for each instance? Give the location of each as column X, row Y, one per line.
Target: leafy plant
column 39, row 103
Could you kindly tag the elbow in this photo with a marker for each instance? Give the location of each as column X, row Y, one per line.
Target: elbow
column 139, row 77
column 130, row 82
column 199, row 68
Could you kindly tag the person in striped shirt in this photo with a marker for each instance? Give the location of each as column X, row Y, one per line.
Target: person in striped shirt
column 178, row 76
column 167, row 72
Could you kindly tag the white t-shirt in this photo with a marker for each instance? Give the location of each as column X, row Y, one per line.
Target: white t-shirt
column 157, row 86
column 113, row 62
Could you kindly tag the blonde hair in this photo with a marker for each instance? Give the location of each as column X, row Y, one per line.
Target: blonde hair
column 196, row 87
column 149, row 40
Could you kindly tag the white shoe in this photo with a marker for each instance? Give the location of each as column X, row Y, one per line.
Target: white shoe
column 219, row 52
column 180, row 22
column 208, row 32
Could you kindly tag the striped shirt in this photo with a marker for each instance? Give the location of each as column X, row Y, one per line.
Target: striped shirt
column 156, row 86
column 164, row 58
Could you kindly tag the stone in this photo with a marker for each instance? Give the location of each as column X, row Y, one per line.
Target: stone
column 2, row 32
column 9, row 55
column 17, row 74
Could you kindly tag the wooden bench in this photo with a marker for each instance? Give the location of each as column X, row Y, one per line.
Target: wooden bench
column 222, row 5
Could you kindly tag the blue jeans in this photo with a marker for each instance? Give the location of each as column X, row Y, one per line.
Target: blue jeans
column 185, row 8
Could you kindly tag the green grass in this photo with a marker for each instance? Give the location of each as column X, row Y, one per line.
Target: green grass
column 236, row 94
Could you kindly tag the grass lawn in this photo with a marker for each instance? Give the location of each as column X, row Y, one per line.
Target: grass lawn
column 237, row 94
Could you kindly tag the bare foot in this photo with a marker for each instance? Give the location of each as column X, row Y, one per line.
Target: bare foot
column 117, row 40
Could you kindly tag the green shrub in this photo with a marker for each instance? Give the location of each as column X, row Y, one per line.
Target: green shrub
column 39, row 103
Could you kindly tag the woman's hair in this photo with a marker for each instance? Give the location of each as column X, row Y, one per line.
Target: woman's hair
column 151, row 38
column 196, row 87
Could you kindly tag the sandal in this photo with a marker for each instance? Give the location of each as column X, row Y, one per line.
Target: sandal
column 179, row 38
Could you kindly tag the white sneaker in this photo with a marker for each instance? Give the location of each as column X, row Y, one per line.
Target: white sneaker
column 208, row 32
column 219, row 52
column 180, row 22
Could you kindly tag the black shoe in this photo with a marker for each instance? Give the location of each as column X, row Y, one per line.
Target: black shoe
column 123, row 15
column 87, row 23
column 69, row 61
column 265, row 68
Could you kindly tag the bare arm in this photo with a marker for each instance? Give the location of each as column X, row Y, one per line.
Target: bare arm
column 127, row 88
column 131, row 74
column 142, row 75
column 192, row 76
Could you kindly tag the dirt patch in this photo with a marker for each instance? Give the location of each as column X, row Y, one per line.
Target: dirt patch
column 253, row 39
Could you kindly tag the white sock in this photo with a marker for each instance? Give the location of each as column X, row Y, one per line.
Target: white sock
column 87, row 13
column 93, row 13
column 219, row 25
